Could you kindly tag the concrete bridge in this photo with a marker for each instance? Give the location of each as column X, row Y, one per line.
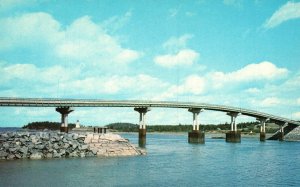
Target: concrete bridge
column 65, row 106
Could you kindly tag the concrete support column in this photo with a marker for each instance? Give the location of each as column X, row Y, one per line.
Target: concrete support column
column 282, row 125
column 262, row 121
column 64, row 111
column 196, row 136
column 142, row 124
column 233, row 135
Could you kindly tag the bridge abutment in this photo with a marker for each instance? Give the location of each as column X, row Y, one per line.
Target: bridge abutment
column 64, row 111
column 142, row 124
column 196, row 136
column 233, row 136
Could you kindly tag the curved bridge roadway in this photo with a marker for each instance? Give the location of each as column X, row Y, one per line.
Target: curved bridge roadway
column 66, row 103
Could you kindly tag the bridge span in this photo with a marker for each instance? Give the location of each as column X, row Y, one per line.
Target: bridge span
column 65, row 106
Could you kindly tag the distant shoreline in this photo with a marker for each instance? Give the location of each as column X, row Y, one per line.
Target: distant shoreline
column 3, row 129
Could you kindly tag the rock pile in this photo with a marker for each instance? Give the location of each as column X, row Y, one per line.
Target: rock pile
column 38, row 145
column 294, row 135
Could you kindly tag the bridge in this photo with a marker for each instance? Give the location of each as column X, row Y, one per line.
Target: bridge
column 65, row 106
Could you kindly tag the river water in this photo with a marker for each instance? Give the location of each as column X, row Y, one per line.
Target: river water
column 170, row 161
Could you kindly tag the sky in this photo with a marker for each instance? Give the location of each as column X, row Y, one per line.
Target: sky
column 239, row 53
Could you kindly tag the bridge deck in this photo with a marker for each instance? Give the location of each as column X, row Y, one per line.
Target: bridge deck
column 38, row 102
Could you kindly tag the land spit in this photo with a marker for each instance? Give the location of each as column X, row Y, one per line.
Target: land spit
column 39, row 145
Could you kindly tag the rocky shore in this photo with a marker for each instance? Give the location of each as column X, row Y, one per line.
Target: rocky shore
column 39, row 145
column 294, row 135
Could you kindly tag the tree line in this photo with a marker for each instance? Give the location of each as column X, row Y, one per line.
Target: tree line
column 41, row 125
column 129, row 127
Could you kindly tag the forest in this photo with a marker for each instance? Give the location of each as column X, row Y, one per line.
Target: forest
column 129, row 127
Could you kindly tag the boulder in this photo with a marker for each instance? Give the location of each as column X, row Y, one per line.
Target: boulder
column 56, row 155
column 36, row 155
column 75, row 136
column 10, row 156
column 82, row 154
column 89, row 154
column 66, row 145
column 23, row 150
column 88, row 138
column 83, row 147
column 3, row 154
column 18, row 156
column 55, row 146
column 62, row 152
column 13, row 149
column 4, row 135
column 73, row 154
column 94, row 150
column 5, row 145
column 40, row 146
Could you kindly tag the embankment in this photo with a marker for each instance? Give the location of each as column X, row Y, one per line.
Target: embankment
column 294, row 135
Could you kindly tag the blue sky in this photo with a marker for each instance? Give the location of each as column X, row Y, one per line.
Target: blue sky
column 238, row 53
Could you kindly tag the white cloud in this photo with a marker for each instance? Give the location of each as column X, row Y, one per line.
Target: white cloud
column 18, row 71
column 176, row 43
column 184, row 57
column 269, row 102
column 29, row 72
column 261, row 71
column 28, row 30
column 87, row 42
column 291, row 10
column 192, row 84
column 115, row 84
column 29, row 80
column 83, row 41
column 298, row 101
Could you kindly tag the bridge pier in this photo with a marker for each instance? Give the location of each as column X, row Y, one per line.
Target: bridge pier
column 196, row 136
column 281, row 135
column 64, row 111
column 262, row 121
column 233, row 136
column 142, row 125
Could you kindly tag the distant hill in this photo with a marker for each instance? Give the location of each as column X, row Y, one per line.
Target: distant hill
column 46, row 125
column 123, row 127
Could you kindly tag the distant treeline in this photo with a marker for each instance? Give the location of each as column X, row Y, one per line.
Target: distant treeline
column 129, row 127
column 46, row 125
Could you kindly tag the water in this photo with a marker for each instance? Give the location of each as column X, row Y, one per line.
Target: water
column 11, row 129
column 171, row 161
